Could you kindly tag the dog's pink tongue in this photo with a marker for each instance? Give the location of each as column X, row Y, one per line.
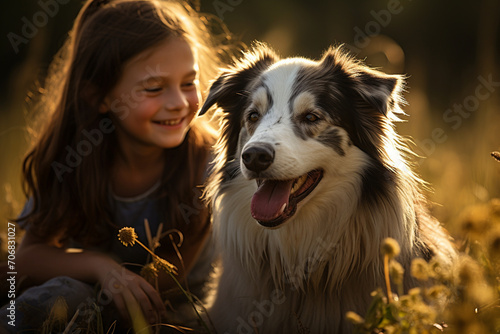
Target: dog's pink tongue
column 271, row 199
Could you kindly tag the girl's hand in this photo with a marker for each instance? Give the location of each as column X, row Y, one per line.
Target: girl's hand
column 126, row 288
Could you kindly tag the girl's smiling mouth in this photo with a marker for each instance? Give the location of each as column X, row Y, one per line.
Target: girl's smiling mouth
column 169, row 122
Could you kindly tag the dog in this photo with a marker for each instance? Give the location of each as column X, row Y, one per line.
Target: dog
column 309, row 178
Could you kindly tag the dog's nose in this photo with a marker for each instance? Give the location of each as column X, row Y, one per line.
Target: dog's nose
column 258, row 158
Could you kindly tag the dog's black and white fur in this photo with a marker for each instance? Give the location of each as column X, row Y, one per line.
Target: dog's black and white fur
column 309, row 179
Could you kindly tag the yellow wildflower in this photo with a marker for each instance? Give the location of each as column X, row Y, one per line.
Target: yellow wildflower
column 127, row 236
column 162, row 264
column 420, row 269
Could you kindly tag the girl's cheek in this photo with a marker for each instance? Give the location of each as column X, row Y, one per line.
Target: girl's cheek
column 146, row 109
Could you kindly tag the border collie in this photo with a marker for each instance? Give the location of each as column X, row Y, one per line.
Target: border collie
column 309, row 178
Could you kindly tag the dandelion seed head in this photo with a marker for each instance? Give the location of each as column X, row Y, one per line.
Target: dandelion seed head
column 436, row 291
column 420, row 269
column 469, row 271
column 425, row 313
column 390, row 247
column 127, row 236
column 415, row 294
column 476, row 221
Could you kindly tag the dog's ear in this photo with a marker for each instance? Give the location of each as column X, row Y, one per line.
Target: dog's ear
column 376, row 90
column 381, row 91
column 230, row 88
column 371, row 99
column 219, row 91
column 230, row 93
column 377, row 106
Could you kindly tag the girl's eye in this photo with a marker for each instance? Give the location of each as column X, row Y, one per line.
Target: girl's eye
column 253, row 116
column 188, row 84
column 152, row 89
column 311, row 117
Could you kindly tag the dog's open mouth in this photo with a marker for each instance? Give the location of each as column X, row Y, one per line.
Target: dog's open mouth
column 275, row 201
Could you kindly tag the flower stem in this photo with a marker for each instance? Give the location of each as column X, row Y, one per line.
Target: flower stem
column 143, row 246
column 387, row 278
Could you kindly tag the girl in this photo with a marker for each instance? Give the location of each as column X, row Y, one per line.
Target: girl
column 122, row 145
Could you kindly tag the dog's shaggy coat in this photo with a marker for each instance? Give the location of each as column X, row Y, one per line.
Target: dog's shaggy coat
column 309, row 179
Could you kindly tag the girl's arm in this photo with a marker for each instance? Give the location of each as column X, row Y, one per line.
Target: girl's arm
column 39, row 261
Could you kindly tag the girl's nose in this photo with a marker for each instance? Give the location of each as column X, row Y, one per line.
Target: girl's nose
column 175, row 100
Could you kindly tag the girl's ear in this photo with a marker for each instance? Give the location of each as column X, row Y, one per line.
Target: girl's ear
column 90, row 94
column 104, row 106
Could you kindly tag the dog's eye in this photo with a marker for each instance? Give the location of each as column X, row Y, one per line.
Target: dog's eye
column 311, row 117
column 253, row 116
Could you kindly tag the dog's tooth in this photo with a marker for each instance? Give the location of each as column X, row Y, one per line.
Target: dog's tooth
column 298, row 184
column 283, row 208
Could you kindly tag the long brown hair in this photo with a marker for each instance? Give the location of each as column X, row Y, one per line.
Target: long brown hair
column 67, row 171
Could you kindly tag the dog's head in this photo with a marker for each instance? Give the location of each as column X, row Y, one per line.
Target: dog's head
column 290, row 123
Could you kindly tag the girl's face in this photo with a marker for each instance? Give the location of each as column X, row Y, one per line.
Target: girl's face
column 156, row 97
